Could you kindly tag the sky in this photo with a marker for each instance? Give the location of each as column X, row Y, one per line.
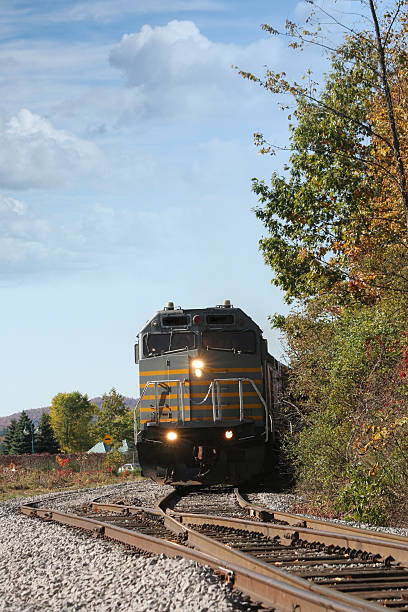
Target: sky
column 126, row 158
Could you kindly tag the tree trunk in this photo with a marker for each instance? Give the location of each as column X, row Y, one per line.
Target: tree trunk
column 391, row 116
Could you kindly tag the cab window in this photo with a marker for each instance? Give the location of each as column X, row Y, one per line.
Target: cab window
column 234, row 341
column 157, row 344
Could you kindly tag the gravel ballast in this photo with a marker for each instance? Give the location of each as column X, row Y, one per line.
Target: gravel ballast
column 44, row 566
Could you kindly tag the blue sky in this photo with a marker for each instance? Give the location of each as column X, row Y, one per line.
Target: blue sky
column 126, row 160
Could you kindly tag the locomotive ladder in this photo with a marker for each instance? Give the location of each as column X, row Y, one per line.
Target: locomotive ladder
column 214, row 389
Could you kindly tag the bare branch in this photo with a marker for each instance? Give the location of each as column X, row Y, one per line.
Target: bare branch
column 400, row 4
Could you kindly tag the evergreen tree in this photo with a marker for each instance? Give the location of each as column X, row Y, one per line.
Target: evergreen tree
column 9, row 438
column 22, row 440
column 45, row 441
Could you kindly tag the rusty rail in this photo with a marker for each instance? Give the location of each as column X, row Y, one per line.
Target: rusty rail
column 184, row 523
column 386, row 547
column 270, row 585
column 297, row 520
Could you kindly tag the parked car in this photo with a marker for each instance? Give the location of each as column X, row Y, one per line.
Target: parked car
column 128, row 466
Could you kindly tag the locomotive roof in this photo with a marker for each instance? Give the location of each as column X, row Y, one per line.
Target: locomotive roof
column 240, row 319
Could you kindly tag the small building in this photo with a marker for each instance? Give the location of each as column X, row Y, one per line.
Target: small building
column 103, row 448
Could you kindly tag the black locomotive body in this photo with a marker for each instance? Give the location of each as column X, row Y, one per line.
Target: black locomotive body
column 209, row 397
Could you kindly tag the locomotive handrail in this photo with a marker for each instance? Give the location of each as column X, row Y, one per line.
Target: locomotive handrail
column 215, row 390
column 217, row 406
column 161, row 383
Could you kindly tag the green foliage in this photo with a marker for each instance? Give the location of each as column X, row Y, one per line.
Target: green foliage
column 323, row 200
column 45, row 441
column 362, row 498
column 318, row 452
column 71, row 415
column 22, row 439
column 9, row 438
column 114, row 419
column 349, row 381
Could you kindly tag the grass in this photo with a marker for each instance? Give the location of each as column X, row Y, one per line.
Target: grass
column 27, row 482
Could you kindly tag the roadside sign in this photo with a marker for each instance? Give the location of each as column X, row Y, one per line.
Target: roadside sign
column 108, row 439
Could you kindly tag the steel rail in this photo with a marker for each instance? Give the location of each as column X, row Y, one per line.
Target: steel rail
column 185, row 523
column 265, row 514
column 374, row 542
column 180, row 524
column 378, row 546
column 387, row 549
column 272, row 588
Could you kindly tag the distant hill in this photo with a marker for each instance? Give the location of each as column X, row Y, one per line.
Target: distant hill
column 35, row 413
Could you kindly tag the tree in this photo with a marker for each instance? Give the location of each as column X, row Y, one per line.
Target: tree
column 114, row 418
column 9, row 437
column 22, row 439
column 71, row 415
column 345, row 197
column 337, row 241
column 45, row 441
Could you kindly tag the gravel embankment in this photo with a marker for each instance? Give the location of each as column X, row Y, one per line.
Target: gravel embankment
column 47, row 567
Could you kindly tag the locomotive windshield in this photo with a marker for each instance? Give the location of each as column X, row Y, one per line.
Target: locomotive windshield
column 236, row 341
column 176, row 321
column 223, row 319
column 157, row 344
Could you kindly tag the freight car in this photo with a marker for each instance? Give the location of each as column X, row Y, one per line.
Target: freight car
column 209, row 397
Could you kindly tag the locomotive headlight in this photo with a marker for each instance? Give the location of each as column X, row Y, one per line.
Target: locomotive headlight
column 229, row 434
column 198, row 367
column 172, row 436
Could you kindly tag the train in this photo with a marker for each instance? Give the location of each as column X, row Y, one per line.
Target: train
column 210, row 397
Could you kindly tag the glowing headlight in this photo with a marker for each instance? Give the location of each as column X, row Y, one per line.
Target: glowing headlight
column 229, row 434
column 197, row 365
column 172, row 436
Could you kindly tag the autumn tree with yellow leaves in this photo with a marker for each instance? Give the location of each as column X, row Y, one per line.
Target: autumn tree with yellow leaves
column 346, row 191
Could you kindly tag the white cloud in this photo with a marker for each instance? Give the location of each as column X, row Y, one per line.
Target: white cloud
column 169, row 53
column 175, row 69
column 171, row 71
column 22, row 234
column 35, row 154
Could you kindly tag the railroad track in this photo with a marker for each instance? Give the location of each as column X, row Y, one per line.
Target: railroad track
column 279, row 559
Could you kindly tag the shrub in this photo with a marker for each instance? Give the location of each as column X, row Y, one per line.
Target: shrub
column 350, row 384
column 113, row 460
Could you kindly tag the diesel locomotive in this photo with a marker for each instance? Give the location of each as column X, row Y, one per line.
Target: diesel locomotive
column 210, row 397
